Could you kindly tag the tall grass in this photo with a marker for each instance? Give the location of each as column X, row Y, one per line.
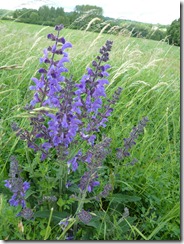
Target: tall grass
column 149, row 73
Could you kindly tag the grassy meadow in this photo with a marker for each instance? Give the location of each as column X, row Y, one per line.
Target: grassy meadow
column 149, row 73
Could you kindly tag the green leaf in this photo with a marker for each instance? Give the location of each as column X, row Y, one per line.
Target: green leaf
column 94, row 223
column 42, row 232
column 20, row 150
column 60, row 202
column 29, row 193
column 56, row 216
column 18, row 209
column 125, row 227
column 47, row 233
column 121, row 198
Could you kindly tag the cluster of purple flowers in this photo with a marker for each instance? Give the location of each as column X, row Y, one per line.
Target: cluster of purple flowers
column 94, row 159
column 89, row 95
column 16, row 185
column 130, row 141
column 62, row 108
column 84, row 216
column 64, row 112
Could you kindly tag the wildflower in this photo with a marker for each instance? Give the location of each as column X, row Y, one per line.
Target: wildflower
column 64, row 223
column 84, row 216
column 106, row 190
column 48, row 86
column 94, row 158
column 68, row 184
column 16, row 185
column 130, row 141
column 26, row 213
column 74, row 161
column 89, row 92
column 88, row 181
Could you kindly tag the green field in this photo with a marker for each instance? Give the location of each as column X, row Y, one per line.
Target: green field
column 149, row 73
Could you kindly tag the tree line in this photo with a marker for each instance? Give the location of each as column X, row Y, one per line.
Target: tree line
column 51, row 16
column 91, row 18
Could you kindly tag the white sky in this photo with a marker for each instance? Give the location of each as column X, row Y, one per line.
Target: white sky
column 156, row 11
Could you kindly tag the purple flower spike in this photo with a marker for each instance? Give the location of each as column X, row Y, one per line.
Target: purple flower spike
column 85, row 216
column 16, row 185
column 130, row 142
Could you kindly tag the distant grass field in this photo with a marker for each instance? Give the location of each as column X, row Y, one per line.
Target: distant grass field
column 149, row 73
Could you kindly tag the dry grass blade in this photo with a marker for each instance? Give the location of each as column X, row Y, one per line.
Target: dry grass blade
column 91, row 22
column 10, row 67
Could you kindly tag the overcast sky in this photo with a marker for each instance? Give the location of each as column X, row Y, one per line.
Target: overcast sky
column 156, row 11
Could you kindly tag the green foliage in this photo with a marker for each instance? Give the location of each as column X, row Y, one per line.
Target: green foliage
column 150, row 75
column 173, row 32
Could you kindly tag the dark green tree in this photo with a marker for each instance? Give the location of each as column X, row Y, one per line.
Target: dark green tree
column 83, row 14
column 138, row 30
column 52, row 13
column 157, row 35
column 89, row 9
column 44, row 13
column 173, row 32
column 34, row 18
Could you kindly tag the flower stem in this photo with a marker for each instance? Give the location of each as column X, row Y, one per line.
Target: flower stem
column 47, row 233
